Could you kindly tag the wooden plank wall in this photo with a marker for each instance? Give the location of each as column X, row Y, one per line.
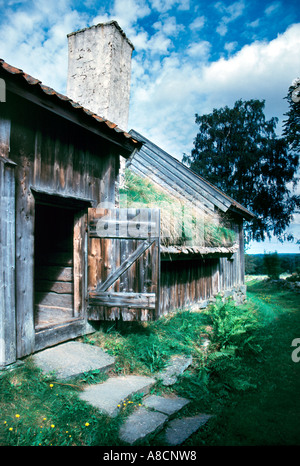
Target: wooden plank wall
column 55, row 157
column 188, row 282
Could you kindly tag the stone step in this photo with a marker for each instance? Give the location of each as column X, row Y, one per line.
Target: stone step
column 164, row 404
column 151, row 417
column 142, row 423
column 108, row 395
column 175, row 368
column 72, row 359
column 179, row 430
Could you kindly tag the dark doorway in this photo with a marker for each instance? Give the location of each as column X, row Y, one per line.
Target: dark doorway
column 54, row 284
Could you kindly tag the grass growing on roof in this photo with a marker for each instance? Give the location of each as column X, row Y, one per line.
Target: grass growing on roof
column 181, row 223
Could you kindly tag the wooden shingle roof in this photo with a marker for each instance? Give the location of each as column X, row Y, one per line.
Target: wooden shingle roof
column 165, row 170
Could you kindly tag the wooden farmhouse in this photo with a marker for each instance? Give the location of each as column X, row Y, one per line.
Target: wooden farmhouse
column 70, row 254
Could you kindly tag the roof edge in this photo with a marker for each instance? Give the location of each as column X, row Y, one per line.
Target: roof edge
column 63, row 101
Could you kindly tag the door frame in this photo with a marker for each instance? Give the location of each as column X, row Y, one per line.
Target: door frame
column 58, row 333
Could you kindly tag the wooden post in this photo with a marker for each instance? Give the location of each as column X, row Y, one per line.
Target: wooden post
column 7, row 263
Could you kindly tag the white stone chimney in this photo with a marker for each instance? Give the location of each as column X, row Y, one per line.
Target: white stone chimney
column 99, row 71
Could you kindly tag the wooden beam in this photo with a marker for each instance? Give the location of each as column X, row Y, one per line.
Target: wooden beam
column 123, row 299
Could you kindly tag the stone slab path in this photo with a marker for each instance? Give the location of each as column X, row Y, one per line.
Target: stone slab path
column 108, row 395
column 154, row 416
column 72, row 359
column 142, row 423
column 165, row 405
column 175, row 368
column 179, row 430
column 155, row 413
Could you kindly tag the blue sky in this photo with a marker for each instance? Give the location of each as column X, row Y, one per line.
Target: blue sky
column 190, row 56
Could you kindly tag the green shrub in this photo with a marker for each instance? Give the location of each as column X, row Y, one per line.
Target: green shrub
column 233, row 326
column 295, row 277
column 234, row 334
column 272, row 265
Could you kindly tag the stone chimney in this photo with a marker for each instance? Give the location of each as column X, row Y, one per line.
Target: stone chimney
column 99, row 71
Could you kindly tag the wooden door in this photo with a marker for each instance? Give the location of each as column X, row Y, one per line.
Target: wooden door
column 123, row 264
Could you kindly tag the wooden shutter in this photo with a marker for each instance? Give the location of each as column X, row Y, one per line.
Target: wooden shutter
column 123, row 264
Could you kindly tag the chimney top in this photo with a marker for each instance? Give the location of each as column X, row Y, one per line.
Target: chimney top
column 99, row 71
column 108, row 23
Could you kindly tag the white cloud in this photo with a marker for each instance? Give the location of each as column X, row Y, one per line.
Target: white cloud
column 230, row 46
column 35, row 39
column 198, row 23
column 165, row 5
column 255, row 23
column 230, row 13
column 168, row 26
column 127, row 12
column 168, row 88
column 222, row 29
column 273, row 7
column 199, row 50
column 164, row 102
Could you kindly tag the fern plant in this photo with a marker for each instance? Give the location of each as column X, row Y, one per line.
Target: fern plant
column 234, row 335
column 233, row 326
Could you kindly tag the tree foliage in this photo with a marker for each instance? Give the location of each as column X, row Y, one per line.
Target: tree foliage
column 238, row 151
column 291, row 127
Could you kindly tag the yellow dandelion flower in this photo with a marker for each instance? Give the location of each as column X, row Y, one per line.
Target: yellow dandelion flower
column 10, row 428
column 44, row 419
column 52, row 425
column 17, row 415
column 87, row 424
column 51, row 385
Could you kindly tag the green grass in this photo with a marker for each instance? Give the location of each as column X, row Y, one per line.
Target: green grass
column 180, row 221
column 269, row 413
column 245, row 378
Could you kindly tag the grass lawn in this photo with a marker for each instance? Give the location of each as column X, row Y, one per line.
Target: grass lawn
column 268, row 414
column 246, row 378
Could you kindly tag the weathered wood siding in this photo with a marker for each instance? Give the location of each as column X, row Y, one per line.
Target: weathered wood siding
column 55, row 157
column 7, row 262
column 123, row 264
column 188, row 281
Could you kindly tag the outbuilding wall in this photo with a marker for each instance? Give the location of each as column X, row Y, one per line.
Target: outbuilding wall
column 59, row 163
